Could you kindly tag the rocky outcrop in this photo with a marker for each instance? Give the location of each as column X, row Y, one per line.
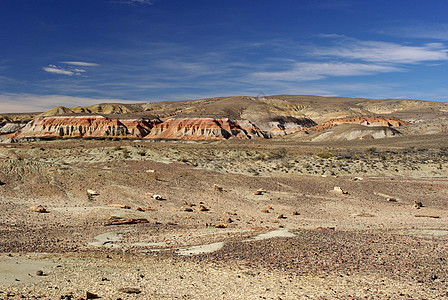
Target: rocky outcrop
column 288, row 125
column 206, row 129
column 97, row 126
column 349, row 132
column 11, row 127
column 87, row 126
column 366, row 121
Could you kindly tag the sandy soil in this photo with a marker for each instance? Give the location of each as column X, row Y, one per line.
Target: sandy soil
column 236, row 221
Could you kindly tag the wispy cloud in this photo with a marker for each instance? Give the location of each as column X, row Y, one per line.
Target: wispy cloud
column 438, row 31
column 80, row 63
column 304, row 71
column 385, row 52
column 59, row 70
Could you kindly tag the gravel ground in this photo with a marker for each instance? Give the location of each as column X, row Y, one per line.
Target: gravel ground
column 370, row 243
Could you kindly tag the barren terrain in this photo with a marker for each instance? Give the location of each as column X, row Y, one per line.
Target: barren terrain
column 320, row 243
column 243, row 198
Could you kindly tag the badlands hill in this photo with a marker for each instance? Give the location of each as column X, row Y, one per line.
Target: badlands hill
column 311, row 118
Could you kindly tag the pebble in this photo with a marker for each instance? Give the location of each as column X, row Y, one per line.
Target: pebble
column 203, row 208
column 129, row 290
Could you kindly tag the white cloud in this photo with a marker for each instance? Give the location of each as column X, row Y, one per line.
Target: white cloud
column 56, row 70
column 303, row 71
column 80, row 63
column 385, row 52
column 59, row 70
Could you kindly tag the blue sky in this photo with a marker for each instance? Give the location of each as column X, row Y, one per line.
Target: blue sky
column 79, row 52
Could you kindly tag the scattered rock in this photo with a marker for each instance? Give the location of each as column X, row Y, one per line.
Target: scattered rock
column 154, row 196
column 330, row 228
column 265, row 211
column 218, row 188
column 189, row 209
column 38, row 208
column 121, row 221
column 427, row 216
column 391, row 199
column 260, row 192
column 119, row 206
column 129, row 290
column 365, row 215
column 339, row 190
column 91, row 295
column 229, row 220
column 357, row 179
column 203, row 208
column 280, row 216
column 417, row 204
column 39, row 273
column 221, row 226
column 270, row 207
column 295, row 213
column 93, row 193
column 139, row 209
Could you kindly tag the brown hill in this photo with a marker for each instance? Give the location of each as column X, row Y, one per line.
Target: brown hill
column 238, row 117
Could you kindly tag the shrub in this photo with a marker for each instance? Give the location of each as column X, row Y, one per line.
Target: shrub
column 324, row 155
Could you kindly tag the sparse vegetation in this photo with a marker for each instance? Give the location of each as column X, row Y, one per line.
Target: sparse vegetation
column 324, row 155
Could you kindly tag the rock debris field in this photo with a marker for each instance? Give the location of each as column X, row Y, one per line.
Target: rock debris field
column 97, row 219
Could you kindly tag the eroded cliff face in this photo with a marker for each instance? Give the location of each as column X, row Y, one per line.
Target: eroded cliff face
column 103, row 127
column 206, row 128
column 366, row 121
column 86, row 126
column 99, row 126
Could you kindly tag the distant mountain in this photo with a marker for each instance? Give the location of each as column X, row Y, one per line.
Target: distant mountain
column 237, row 117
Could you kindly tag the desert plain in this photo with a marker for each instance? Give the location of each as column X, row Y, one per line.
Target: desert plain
column 335, row 213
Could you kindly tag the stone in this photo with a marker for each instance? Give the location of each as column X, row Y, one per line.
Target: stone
column 129, row 290
column 92, row 193
column 154, row 196
column 90, row 295
column 338, row 189
column 221, row 226
column 218, row 188
column 417, row 204
column 295, row 213
column 39, row 273
column 260, row 192
column 119, row 206
column 38, row 208
column 203, row 208
column 280, row 216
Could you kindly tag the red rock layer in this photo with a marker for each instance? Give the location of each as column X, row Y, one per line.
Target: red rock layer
column 205, row 128
column 100, row 126
column 86, row 126
column 366, row 121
